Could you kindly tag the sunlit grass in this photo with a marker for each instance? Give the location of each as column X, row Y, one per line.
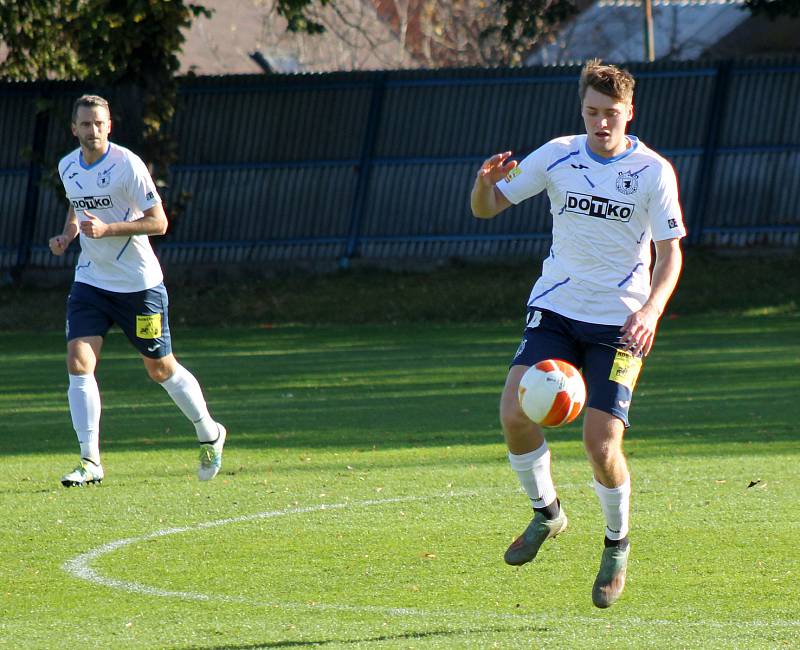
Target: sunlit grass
column 366, row 498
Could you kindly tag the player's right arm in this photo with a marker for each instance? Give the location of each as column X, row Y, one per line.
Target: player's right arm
column 61, row 242
column 486, row 200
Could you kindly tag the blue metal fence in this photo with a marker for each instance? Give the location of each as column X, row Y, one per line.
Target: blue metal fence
column 380, row 165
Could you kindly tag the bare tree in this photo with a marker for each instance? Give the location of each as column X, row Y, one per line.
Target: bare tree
column 369, row 34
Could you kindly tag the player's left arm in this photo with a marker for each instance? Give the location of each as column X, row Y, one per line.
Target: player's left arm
column 152, row 222
column 639, row 330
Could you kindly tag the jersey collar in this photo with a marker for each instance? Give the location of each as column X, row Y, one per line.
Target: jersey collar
column 607, row 161
column 96, row 162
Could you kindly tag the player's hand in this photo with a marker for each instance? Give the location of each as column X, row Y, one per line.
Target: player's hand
column 59, row 244
column 93, row 227
column 639, row 331
column 496, row 168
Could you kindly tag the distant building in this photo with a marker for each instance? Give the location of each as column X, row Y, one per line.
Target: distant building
column 247, row 36
column 613, row 30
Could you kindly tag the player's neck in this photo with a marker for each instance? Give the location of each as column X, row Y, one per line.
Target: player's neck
column 623, row 146
column 91, row 156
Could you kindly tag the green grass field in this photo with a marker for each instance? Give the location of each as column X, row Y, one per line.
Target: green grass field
column 366, row 500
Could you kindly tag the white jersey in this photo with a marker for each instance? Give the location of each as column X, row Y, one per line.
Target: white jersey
column 115, row 188
column 605, row 213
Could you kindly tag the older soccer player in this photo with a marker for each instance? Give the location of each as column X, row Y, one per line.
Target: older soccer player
column 114, row 206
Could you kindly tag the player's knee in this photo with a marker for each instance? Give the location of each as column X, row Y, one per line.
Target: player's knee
column 159, row 372
column 603, row 453
column 75, row 367
column 78, row 365
column 514, row 421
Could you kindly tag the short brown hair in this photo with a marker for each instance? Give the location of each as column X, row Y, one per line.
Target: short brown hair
column 607, row 79
column 90, row 101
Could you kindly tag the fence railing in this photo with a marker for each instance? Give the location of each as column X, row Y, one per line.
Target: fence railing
column 380, row 165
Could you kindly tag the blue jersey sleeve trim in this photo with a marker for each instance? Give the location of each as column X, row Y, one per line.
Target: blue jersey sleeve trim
column 66, row 169
column 560, row 160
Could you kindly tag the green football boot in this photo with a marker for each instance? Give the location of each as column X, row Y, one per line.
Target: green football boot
column 526, row 546
column 610, row 579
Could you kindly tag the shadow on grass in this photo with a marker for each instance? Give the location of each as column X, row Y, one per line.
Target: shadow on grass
column 715, row 381
column 373, row 639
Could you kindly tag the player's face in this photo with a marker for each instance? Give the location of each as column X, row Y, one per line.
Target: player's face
column 606, row 119
column 91, row 126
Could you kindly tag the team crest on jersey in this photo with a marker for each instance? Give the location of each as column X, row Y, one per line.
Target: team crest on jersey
column 627, row 183
column 104, row 178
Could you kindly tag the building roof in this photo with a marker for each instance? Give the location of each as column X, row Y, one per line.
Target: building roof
column 613, row 30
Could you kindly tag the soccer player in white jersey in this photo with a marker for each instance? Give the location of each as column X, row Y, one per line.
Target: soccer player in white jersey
column 114, row 206
column 595, row 304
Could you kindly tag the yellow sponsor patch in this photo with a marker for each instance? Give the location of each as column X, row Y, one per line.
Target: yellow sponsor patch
column 513, row 174
column 148, row 326
column 625, row 369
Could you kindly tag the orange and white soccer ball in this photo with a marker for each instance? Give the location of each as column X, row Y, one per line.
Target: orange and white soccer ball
column 552, row 393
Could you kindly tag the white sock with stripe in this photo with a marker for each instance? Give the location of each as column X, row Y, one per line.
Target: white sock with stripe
column 185, row 391
column 533, row 472
column 83, row 396
column 615, row 503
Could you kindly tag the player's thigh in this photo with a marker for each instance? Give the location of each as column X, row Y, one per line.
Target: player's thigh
column 144, row 318
column 521, row 434
column 89, row 312
column 546, row 336
column 610, row 375
column 510, row 411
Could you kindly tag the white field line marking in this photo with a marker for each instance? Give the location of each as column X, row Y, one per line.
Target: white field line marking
column 80, row 567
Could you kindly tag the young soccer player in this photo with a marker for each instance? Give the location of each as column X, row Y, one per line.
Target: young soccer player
column 595, row 304
column 114, row 206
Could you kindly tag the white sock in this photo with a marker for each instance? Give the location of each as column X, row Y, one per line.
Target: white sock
column 533, row 471
column 185, row 391
column 84, row 407
column 616, row 503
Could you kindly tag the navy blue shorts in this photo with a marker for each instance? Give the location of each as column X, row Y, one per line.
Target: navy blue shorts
column 610, row 373
column 142, row 315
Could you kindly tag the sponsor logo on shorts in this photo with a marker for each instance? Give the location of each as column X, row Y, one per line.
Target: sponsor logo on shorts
column 625, row 369
column 148, row 326
column 672, row 223
column 513, row 174
column 598, row 206
column 92, row 202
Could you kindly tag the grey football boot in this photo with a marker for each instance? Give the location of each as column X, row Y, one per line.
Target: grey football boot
column 526, row 546
column 610, row 579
